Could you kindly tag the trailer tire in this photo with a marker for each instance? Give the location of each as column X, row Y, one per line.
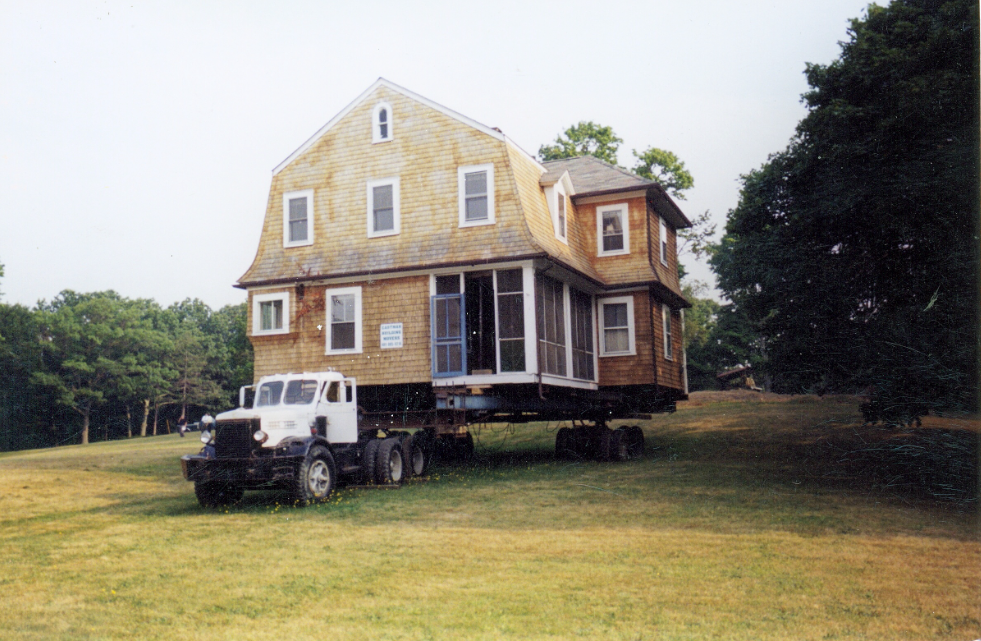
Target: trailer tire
column 563, row 444
column 604, row 440
column 620, row 444
column 416, row 454
column 466, row 447
column 636, row 441
column 212, row 494
column 368, row 462
column 390, row 466
column 315, row 477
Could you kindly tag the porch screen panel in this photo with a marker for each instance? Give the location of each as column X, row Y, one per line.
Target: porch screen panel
column 550, row 305
column 582, row 335
column 511, row 320
column 449, row 349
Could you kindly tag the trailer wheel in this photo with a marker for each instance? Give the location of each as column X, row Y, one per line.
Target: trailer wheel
column 390, row 465
column 416, row 454
column 563, row 444
column 368, row 463
column 315, row 478
column 466, row 447
column 636, row 441
column 604, row 439
column 212, row 494
column 619, row 444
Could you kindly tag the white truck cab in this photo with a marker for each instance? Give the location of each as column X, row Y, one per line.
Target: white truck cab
column 288, row 405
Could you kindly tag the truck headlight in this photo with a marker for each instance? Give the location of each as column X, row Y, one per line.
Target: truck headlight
column 260, row 436
column 206, row 437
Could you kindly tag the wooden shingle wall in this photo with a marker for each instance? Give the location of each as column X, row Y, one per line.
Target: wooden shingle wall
column 398, row 300
column 669, row 372
column 629, row 268
column 667, row 275
column 426, row 150
column 637, row 369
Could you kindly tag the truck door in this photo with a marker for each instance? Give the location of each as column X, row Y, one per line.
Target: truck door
column 339, row 403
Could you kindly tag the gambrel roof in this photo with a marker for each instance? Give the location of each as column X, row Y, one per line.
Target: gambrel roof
column 429, row 146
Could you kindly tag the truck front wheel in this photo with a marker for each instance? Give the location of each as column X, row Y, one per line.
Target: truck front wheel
column 212, row 494
column 315, row 478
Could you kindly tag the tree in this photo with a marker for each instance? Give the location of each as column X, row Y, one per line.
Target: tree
column 584, row 139
column 664, row 168
column 86, row 340
column 854, row 251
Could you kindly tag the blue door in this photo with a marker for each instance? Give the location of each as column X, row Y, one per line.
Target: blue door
column 449, row 335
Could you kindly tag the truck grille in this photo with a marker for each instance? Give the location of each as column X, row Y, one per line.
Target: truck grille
column 233, row 439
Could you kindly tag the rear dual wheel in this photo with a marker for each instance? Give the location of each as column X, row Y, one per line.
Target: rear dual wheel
column 390, row 462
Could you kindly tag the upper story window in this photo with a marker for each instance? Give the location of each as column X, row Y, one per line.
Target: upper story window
column 476, row 195
column 612, row 230
column 560, row 216
column 343, row 320
column 383, row 207
column 617, row 326
column 381, row 125
column 270, row 314
column 298, row 218
column 664, row 241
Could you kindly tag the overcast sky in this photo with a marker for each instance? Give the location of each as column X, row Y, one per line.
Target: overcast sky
column 137, row 140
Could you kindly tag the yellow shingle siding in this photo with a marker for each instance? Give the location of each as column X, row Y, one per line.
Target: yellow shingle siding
column 425, row 153
column 396, row 300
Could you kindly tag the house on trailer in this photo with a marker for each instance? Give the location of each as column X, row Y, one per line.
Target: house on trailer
column 434, row 260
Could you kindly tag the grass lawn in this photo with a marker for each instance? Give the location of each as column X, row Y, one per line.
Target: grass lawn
column 749, row 517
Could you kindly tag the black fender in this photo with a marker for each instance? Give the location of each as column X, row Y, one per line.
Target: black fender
column 299, row 446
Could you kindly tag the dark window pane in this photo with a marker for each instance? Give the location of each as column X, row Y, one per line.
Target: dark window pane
column 448, row 284
column 509, row 281
column 475, row 184
column 513, row 355
column 476, row 208
column 342, row 336
column 511, row 316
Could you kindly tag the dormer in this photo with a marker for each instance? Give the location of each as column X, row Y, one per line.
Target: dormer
column 381, row 123
column 558, row 194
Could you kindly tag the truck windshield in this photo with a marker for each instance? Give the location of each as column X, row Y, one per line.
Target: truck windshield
column 269, row 394
column 300, row 392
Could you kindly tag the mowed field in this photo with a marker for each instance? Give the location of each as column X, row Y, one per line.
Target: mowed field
column 748, row 517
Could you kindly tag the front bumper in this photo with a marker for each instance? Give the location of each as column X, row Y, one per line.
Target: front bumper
column 252, row 471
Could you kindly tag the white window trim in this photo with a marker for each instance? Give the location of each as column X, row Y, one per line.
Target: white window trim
column 342, row 291
column 304, row 193
column 663, row 242
column 396, row 213
column 601, row 320
column 257, row 300
column 376, row 129
column 461, row 172
column 624, row 210
column 666, row 331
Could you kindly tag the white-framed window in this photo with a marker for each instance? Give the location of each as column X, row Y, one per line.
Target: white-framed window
column 270, row 314
column 383, row 207
column 612, row 230
column 343, row 320
column 476, row 195
column 663, row 231
column 298, row 218
column 560, row 216
column 666, row 321
column 616, row 319
column 381, row 123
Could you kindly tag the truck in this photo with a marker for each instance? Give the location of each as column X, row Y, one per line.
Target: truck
column 305, row 432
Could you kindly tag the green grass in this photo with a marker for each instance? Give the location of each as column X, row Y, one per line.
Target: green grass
column 747, row 518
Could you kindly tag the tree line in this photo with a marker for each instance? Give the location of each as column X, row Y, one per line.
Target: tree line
column 99, row 366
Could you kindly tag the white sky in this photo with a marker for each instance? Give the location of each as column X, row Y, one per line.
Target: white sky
column 137, row 139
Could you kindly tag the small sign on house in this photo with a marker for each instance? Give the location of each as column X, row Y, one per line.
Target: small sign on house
column 391, row 335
